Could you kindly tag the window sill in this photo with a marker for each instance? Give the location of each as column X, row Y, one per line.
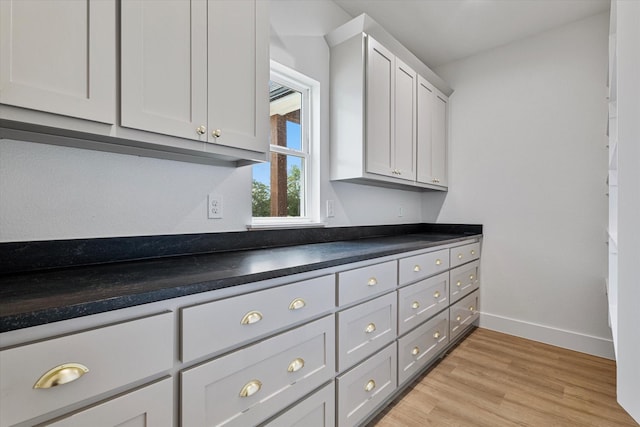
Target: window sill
column 288, row 223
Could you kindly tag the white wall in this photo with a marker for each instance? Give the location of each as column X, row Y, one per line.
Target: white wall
column 49, row 192
column 527, row 143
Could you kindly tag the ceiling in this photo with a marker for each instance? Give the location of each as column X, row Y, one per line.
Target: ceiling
column 441, row 31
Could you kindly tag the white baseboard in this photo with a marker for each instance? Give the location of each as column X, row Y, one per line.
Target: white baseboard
column 595, row 346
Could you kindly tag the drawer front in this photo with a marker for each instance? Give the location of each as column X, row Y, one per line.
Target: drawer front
column 250, row 385
column 464, row 280
column 150, row 406
column 463, row 313
column 364, row 329
column 114, row 355
column 420, row 346
column 421, row 266
column 465, row 253
column 362, row 283
column 418, row 302
column 366, row 386
column 317, row 410
column 213, row 327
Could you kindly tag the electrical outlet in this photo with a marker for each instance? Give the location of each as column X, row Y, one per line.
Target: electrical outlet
column 400, row 211
column 214, row 206
column 330, row 209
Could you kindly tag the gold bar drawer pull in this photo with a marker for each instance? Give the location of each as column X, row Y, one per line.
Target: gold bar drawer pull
column 296, row 365
column 370, row 328
column 251, row 317
column 250, row 388
column 60, row 375
column 297, row 304
column 370, row 385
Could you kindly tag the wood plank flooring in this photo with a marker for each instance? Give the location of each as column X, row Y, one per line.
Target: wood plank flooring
column 493, row 380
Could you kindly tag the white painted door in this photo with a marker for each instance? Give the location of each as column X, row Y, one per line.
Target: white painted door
column 380, row 95
column 404, row 143
column 424, row 137
column 238, row 55
column 164, row 67
column 59, row 56
column 439, row 141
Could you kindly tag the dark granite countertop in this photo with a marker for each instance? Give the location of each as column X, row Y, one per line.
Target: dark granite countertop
column 31, row 298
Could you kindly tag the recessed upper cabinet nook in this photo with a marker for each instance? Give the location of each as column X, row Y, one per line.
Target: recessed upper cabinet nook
column 388, row 111
column 192, row 77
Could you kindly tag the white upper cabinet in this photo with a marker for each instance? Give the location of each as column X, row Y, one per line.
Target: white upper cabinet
column 164, row 67
column 59, row 57
column 388, row 122
column 432, row 134
column 197, row 70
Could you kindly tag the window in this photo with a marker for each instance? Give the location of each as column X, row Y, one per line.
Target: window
column 284, row 190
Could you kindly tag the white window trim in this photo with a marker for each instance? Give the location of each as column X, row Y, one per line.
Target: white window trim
column 310, row 121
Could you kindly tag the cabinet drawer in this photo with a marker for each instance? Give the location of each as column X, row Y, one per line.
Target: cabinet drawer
column 465, row 253
column 365, row 328
column 366, row 386
column 420, row 346
column 464, row 280
column 213, row 327
column 463, row 313
column 421, row 266
column 362, row 283
column 418, row 302
column 150, row 406
column 250, row 385
column 114, row 355
column 317, row 410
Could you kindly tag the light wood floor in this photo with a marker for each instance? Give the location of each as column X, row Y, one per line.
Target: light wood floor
column 493, row 380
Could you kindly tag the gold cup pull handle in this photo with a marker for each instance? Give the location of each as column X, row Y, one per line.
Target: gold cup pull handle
column 459, row 256
column 473, row 252
column 415, row 305
column 471, row 308
column 251, row 317
column 471, row 277
column 415, row 351
column 458, row 318
column 436, row 335
column 436, row 294
column 60, row 375
column 438, row 261
column 370, row 328
column 250, row 388
column 296, row 365
column 370, row 385
column 297, row 304
column 416, row 268
column 458, row 283
column 372, row 281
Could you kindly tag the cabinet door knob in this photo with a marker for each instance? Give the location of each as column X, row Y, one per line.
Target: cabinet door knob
column 415, row 351
column 458, row 318
column 436, row 335
column 415, row 305
column 471, row 277
column 471, row 309
column 370, row 328
column 416, row 268
column 436, row 294
column 251, row 388
column 201, row 130
column 296, row 365
column 370, row 385
column 251, row 317
column 459, row 256
column 473, row 252
column 60, row 375
column 372, row 281
column 216, row 133
column 458, row 283
column 438, row 261
column 297, row 304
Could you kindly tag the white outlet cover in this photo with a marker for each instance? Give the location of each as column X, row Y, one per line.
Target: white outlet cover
column 214, row 206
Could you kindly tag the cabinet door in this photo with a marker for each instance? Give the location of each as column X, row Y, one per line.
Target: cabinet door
column 439, row 141
column 405, row 124
column 164, row 67
column 238, row 46
column 424, row 137
column 59, row 57
column 380, row 95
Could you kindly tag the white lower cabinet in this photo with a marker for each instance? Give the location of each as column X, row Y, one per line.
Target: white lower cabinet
column 464, row 280
column 422, row 345
column 317, row 410
column 365, row 387
column 420, row 301
column 150, row 406
column 252, row 384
